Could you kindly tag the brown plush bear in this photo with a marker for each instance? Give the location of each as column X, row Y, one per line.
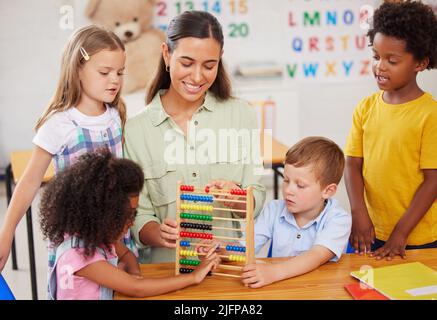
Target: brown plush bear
column 131, row 20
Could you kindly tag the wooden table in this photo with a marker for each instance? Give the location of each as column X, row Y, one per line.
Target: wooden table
column 276, row 161
column 327, row 282
column 14, row 171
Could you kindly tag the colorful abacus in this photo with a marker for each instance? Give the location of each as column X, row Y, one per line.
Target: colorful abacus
column 239, row 255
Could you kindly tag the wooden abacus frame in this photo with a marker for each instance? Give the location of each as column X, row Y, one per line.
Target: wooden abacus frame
column 186, row 193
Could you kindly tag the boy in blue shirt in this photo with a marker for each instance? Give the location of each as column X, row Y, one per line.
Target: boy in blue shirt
column 307, row 225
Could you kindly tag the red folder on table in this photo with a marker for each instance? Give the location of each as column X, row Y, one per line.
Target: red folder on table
column 359, row 291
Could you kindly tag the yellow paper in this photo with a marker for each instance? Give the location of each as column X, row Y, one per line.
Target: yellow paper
column 407, row 281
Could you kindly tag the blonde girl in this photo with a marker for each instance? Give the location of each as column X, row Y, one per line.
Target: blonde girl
column 86, row 113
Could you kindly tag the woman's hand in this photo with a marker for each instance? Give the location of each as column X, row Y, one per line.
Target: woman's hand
column 169, row 233
column 227, row 185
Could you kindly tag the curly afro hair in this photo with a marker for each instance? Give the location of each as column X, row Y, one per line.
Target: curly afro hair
column 411, row 21
column 90, row 200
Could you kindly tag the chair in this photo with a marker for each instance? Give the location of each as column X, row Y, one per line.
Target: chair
column 269, row 254
column 349, row 249
column 5, row 291
column 14, row 171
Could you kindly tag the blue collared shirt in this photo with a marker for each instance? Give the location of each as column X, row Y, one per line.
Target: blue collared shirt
column 330, row 229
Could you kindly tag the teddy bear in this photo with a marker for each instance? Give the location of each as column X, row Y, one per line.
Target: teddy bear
column 131, row 21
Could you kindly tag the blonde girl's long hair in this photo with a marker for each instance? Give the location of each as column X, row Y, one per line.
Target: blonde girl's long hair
column 68, row 90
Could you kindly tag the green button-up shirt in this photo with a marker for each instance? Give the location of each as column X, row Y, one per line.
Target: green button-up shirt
column 222, row 143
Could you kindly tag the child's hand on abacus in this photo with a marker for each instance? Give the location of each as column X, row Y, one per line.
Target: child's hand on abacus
column 169, row 233
column 209, row 263
column 203, row 247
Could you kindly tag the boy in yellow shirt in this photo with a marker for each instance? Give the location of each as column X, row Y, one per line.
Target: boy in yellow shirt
column 391, row 163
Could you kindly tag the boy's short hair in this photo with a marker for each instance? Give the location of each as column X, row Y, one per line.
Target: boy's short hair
column 324, row 155
column 410, row 21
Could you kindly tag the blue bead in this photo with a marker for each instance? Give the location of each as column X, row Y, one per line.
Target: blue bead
column 228, row 248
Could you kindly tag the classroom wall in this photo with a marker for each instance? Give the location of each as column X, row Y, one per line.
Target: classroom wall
column 31, row 44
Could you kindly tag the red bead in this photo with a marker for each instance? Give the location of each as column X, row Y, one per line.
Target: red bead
column 207, row 189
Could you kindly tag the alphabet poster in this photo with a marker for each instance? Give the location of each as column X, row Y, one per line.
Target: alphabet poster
column 294, row 40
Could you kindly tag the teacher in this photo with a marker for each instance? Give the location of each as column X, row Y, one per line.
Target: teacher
column 193, row 131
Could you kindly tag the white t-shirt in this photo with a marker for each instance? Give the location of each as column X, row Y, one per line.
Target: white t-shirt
column 59, row 129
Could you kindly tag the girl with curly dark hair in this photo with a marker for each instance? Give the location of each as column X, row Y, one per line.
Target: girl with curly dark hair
column 85, row 210
column 391, row 165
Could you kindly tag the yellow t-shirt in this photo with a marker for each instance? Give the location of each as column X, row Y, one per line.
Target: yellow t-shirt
column 396, row 142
